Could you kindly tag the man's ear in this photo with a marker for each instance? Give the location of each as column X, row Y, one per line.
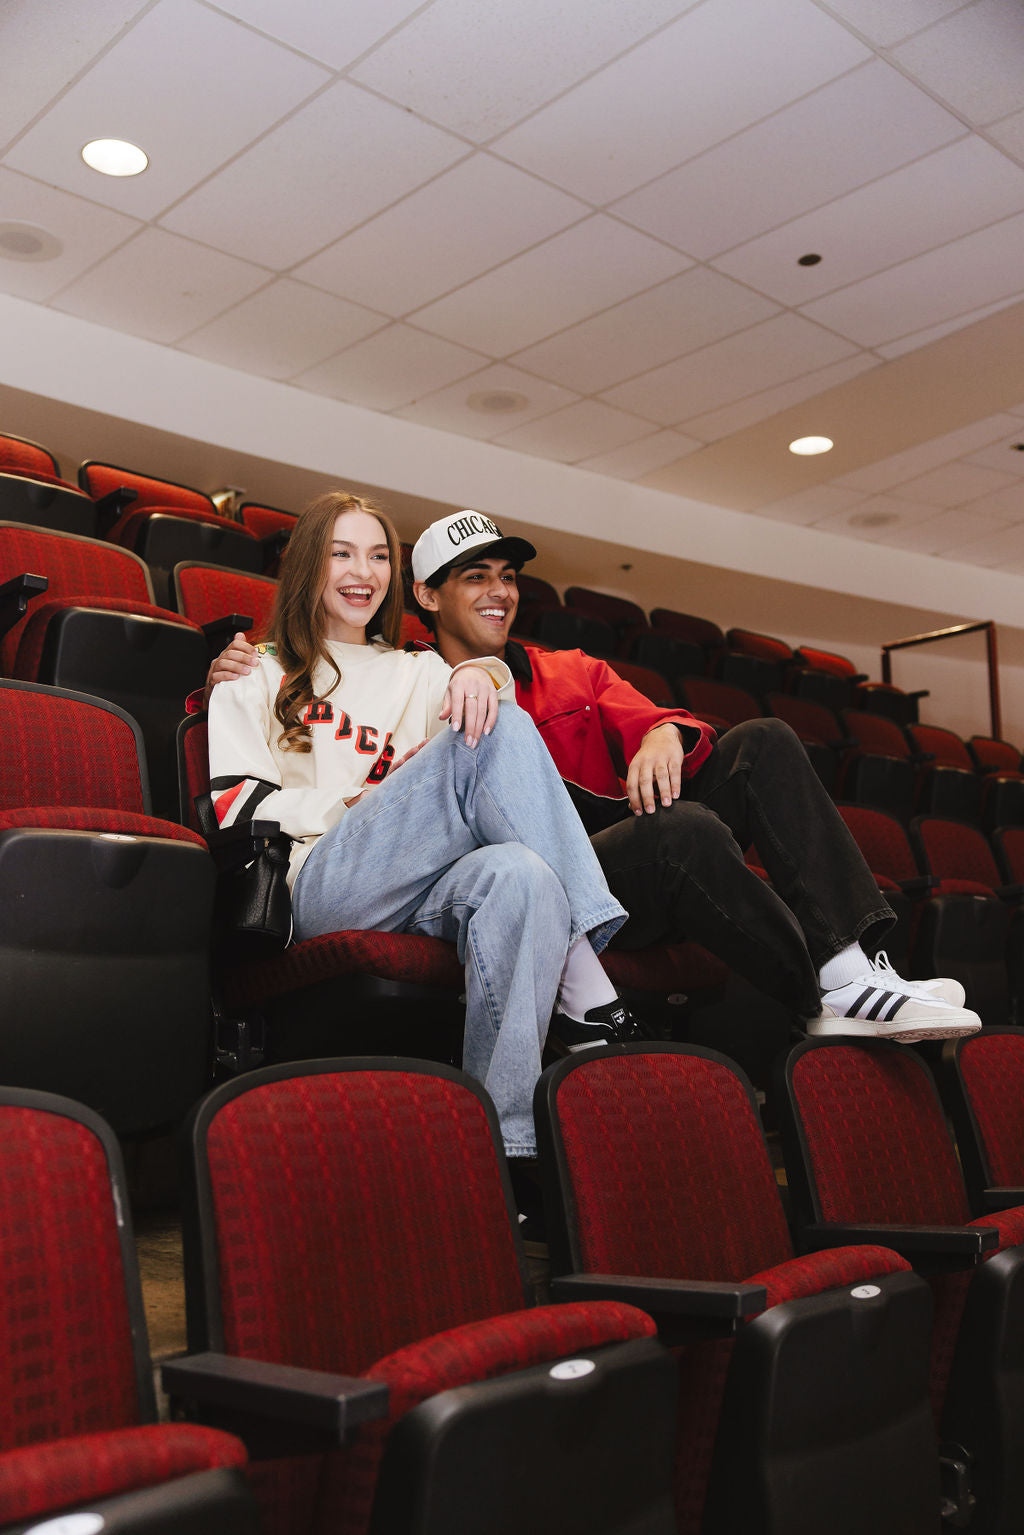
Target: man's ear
column 425, row 595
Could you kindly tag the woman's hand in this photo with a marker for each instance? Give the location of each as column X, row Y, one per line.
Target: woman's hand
column 471, row 701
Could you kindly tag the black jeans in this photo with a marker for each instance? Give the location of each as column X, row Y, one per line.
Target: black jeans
column 680, row 872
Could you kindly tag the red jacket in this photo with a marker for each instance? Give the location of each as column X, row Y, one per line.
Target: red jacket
column 593, row 722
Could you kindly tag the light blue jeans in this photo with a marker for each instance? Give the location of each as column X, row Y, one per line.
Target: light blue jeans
column 481, row 846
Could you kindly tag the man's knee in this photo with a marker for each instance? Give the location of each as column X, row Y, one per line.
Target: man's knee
column 675, row 833
column 764, row 733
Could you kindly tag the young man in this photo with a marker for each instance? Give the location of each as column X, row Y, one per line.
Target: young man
column 671, row 811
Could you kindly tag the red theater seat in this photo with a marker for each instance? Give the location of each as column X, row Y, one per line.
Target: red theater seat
column 870, row 1158
column 356, row 1218
column 661, row 1190
column 78, row 1429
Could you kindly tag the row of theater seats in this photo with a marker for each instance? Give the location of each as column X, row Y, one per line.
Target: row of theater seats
column 864, row 756
column 160, row 520
column 358, row 1313
column 681, row 645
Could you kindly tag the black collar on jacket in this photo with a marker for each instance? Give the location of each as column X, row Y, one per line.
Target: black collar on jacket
column 516, row 658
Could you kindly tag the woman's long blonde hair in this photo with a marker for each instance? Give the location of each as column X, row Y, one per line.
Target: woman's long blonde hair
column 298, row 625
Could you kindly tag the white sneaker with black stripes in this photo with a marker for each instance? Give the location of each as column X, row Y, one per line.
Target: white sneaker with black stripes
column 880, row 1005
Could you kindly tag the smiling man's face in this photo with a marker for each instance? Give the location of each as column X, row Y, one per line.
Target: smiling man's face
column 474, row 609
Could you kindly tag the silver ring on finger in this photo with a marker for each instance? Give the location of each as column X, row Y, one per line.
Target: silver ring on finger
column 472, row 695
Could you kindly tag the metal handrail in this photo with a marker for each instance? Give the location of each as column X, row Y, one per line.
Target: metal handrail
column 944, row 634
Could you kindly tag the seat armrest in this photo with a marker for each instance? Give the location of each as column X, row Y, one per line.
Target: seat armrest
column 110, row 507
column 15, row 596
column 231, row 1391
column 1010, row 893
column 274, row 544
column 1002, row 1198
column 222, row 629
column 684, row 1309
column 934, row 1247
column 232, row 847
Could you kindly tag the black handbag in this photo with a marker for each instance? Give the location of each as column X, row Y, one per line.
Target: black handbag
column 254, row 904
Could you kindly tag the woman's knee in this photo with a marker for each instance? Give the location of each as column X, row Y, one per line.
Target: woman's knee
column 521, row 879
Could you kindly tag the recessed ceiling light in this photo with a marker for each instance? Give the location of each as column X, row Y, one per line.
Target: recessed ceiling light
column 811, row 259
column 28, row 242
column 497, row 401
column 115, row 157
column 808, row 446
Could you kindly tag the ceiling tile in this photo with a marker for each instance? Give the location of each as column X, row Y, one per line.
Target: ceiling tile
column 947, row 532
column 449, row 411
column 182, row 57
column 974, row 60
column 587, row 268
column 282, row 330
column 887, row 21
column 389, row 369
column 953, row 484
column 476, row 215
column 40, row 59
column 713, row 424
column 85, row 230
column 979, row 268
column 809, row 505
column 947, row 194
column 1004, row 456
column 1003, row 548
column 338, row 161
column 770, row 353
column 664, row 102
column 160, row 287
column 1007, row 503
column 917, row 338
column 335, row 33
column 477, row 79
column 1010, row 134
column 578, row 431
column 899, row 467
column 665, row 322
column 642, row 457
column 844, row 134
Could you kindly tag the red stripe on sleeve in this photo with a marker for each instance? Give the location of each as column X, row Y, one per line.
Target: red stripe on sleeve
column 223, row 803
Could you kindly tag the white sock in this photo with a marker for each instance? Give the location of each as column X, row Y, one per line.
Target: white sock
column 584, row 983
column 843, row 968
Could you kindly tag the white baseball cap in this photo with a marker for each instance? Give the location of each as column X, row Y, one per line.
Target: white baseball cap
column 458, row 538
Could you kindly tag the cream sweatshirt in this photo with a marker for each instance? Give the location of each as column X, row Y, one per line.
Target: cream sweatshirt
column 387, row 702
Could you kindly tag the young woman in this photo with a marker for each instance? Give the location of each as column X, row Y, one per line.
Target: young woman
column 471, row 838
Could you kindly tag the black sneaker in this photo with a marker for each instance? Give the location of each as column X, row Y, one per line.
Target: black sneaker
column 610, row 1024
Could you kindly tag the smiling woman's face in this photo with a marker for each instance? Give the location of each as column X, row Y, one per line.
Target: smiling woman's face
column 358, row 576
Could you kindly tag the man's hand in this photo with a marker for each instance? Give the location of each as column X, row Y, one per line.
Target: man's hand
column 236, row 660
column 471, row 699
column 656, row 769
